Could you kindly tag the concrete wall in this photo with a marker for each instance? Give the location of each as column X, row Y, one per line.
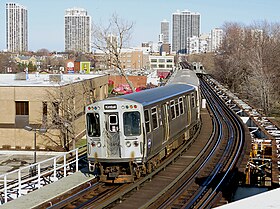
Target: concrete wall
column 14, row 136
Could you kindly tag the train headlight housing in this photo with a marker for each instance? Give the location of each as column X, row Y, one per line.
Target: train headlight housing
column 98, row 144
column 128, row 144
column 136, row 144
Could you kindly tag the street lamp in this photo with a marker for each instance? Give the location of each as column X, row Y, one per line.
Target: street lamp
column 39, row 130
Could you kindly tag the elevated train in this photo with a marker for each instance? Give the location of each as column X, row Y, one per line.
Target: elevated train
column 128, row 136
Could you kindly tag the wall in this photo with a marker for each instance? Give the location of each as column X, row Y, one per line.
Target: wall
column 12, row 137
column 137, row 81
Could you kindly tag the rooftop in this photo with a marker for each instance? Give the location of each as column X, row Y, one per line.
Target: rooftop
column 8, row 80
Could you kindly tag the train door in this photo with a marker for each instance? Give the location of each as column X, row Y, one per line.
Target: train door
column 166, row 122
column 148, row 130
column 188, row 109
column 112, row 136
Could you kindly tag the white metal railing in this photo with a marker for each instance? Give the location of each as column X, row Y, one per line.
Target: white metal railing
column 19, row 182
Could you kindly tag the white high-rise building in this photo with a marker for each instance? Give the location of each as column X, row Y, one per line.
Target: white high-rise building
column 185, row 25
column 216, row 38
column 164, row 30
column 77, row 30
column 16, row 27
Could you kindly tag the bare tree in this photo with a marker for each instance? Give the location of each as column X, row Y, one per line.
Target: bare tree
column 61, row 115
column 111, row 40
column 249, row 63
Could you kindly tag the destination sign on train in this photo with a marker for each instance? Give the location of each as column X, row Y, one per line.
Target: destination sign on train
column 110, row 106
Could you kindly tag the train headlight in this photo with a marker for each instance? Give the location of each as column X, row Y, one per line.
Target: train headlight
column 98, row 144
column 128, row 144
column 136, row 143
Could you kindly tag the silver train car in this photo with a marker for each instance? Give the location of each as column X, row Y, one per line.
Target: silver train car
column 128, row 136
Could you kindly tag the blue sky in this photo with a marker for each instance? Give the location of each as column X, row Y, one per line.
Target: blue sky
column 46, row 17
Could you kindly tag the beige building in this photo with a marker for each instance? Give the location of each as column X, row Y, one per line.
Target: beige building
column 130, row 58
column 42, row 101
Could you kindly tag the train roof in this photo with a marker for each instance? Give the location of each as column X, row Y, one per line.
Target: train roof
column 154, row 95
column 185, row 76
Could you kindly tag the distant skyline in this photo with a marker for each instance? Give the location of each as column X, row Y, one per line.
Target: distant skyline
column 46, row 18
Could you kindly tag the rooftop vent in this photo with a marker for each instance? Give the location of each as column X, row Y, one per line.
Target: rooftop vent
column 55, row 78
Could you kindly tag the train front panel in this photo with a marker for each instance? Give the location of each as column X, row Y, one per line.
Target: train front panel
column 114, row 131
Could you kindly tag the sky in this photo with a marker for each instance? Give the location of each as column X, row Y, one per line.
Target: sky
column 46, row 17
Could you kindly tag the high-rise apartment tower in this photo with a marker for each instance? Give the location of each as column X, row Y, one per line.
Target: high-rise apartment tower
column 185, row 25
column 16, row 27
column 77, row 30
column 216, row 38
column 164, row 30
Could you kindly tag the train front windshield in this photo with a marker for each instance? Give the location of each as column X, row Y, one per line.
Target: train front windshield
column 93, row 125
column 131, row 122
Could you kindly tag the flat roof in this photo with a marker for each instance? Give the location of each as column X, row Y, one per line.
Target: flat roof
column 8, row 80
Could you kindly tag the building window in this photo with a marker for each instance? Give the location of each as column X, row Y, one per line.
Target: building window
column 153, row 60
column 22, row 108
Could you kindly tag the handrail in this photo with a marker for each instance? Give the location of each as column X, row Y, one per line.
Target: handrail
column 17, row 183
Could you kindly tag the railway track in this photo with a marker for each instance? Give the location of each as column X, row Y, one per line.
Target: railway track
column 193, row 176
column 206, row 190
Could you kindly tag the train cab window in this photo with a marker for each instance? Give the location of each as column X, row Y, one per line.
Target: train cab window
column 181, row 105
column 172, row 108
column 154, row 117
column 93, row 125
column 131, row 122
column 147, row 120
column 113, row 123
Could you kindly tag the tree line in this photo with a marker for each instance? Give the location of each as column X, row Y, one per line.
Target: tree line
column 248, row 63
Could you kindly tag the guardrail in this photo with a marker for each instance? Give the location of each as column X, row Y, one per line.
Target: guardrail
column 26, row 179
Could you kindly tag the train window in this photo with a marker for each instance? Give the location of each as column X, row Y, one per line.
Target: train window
column 193, row 101
column 147, row 121
column 131, row 122
column 181, row 105
column 154, row 118
column 93, row 125
column 113, row 123
column 172, row 107
column 177, row 108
